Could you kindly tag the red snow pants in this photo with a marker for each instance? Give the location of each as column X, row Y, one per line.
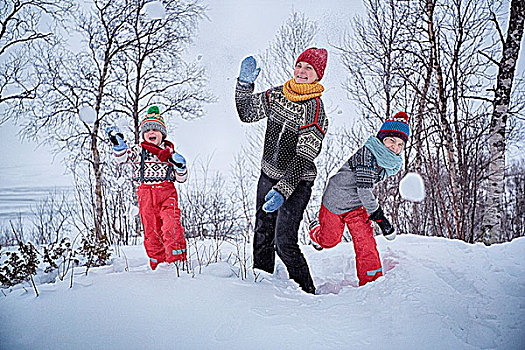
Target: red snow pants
column 160, row 215
column 330, row 232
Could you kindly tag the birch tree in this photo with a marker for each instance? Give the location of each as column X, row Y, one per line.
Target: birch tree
column 154, row 68
column 81, row 90
column 294, row 36
column 22, row 30
column 497, row 132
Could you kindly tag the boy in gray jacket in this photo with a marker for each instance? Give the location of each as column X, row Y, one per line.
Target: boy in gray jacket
column 348, row 197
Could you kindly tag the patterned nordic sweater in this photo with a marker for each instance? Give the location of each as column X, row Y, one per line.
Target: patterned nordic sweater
column 155, row 171
column 351, row 187
column 294, row 133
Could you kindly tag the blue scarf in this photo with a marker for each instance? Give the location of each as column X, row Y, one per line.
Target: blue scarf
column 386, row 159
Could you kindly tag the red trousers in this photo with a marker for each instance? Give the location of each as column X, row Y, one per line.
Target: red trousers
column 330, row 232
column 160, row 215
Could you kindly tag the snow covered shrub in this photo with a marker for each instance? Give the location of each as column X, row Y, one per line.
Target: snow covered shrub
column 208, row 209
column 19, row 266
column 59, row 257
column 93, row 251
column 7, row 237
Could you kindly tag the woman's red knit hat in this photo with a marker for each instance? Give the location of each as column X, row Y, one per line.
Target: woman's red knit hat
column 316, row 57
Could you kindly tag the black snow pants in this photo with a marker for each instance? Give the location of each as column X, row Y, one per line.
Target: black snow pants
column 278, row 231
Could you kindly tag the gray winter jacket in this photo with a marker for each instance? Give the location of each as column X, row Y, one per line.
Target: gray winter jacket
column 351, row 187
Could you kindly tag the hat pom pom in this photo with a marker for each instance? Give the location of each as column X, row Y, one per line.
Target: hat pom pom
column 401, row 115
column 153, row 110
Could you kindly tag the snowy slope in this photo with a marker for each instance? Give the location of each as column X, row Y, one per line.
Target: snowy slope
column 436, row 294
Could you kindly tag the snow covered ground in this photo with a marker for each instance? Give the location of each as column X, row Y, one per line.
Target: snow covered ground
column 436, row 294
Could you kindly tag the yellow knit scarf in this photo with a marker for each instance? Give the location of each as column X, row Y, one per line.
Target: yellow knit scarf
column 302, row 92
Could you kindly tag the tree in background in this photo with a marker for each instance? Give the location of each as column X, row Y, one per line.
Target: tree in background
column 494, row 209
column 154, row 72
column 153, row 67
column 86, row 90
column 81, row 90
column 448, row 123
column 428, row 58
column 26, row 26
column 373, row 53
column 292, row 38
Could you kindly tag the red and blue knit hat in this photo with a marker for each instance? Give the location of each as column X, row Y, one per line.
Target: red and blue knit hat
column 396, row 127
column 153, row 121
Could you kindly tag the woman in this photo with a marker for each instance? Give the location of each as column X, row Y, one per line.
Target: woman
column 296, row 126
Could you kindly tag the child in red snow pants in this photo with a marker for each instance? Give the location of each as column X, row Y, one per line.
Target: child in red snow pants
column 330, row 232
column 160, row 215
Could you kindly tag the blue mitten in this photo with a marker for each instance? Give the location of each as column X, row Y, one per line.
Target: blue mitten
column 274, row 200
column 178, row 162
column 121, row 145
column 116, row 138
column 249, row 70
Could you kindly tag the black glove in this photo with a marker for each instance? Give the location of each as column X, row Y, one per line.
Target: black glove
column 385, row 226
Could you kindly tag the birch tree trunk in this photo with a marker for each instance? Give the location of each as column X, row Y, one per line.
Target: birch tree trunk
column 446, row 130
column 492, row 220
column 423, row 97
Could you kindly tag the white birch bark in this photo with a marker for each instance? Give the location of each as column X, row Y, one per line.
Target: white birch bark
column 491, row 226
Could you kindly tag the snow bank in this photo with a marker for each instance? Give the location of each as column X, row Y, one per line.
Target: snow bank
column 436, row 294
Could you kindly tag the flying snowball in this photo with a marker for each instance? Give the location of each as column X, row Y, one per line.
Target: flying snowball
column 154, row 10
column 412, row 187
column 87, row 114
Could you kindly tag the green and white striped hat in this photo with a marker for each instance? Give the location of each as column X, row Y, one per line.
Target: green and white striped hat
column 153, row 121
